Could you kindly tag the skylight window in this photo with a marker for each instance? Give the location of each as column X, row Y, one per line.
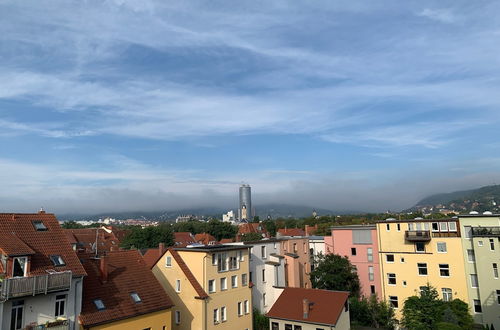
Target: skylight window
column 39, row 226
column 135, row 297
column 57, row 260
column 99, row 304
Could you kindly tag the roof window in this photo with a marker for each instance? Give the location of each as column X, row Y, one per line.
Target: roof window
column 99, row 304
column 57, row 260
column 39, row 226
column 135, row 297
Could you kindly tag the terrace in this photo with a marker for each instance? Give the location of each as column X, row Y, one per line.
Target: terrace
column 16, row 287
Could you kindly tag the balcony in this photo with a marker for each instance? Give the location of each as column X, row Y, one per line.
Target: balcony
column 418, row 235
column 485, row 231
column 55, row 325
column 16, row 287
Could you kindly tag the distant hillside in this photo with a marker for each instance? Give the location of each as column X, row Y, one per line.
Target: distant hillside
column 483, row 199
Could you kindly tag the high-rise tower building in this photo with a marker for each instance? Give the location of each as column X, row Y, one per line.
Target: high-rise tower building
column 245, row 209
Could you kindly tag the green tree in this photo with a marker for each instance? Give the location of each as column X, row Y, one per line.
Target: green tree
column 260, row 321
column 334, row 272
column 251, row 237
column 148, row 237
column 256, row 219
column 427, row 311
column 371, row 313
column 72, row 225
column 270, row 226
column 220, row 230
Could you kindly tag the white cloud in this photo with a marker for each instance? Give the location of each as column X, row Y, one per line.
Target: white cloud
column 440, row 15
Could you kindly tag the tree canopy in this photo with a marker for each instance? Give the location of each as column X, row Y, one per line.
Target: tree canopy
column 334, row 272
column 148, row 237
column 428, row 311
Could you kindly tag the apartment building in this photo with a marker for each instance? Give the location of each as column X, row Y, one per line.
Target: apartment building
column 415, row 252
column 40, row 274
column 481, row 257
column 297, row 261
column 267, row 272
column 310, row 309
column 359, row 244
column 209, row 286
column 121, row 292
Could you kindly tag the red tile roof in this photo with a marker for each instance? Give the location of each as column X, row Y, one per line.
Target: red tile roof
column 325, row 306
column 183, row 239
column 151, row 257
column 226, row 240
column 291, row 232
column 127, row 273
column 86, row 237
column 205, row 238
column 189, row 275
column 13, row 246
column 52, row 241
column 246, row 228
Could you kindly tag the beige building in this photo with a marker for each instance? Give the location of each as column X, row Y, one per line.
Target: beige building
column 481, row 255
column 209, row 286
column 297, row 261
column 310, row 309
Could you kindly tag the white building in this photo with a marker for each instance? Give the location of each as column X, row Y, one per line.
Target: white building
column 229, row 217
column 316, row 247
column 41, row 276
column 267, row 272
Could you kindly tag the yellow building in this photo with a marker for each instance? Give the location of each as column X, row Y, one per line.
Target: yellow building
column 415, row 252
column 120, row 292
column 209, row 286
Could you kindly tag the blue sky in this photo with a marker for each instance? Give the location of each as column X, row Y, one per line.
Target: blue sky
column 137, row 105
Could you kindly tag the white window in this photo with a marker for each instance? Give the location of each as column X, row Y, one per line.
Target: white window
column 222, row 262
column 244, row 280
column 135, row 297
column 242, row 258
column 370, row 273
column 477, row 306
column 410, row 226
column 435, row 226
column 369, row 253
column 447, row 294
column 99, row 304
column 441, row 247
column 211, row 286
column 177, row 285
column 471, row 256
column 57, row 260
column 426, row 226
column 473, row 281
column 452, row 226
column 168, row 262
column 60, row 305
column 422, row 268
column 263, row 252
column 419, row 247
column 468, row 232
column 495, row 270
column 247, row 307
column 240, row 309
column 234, row 281
column 492, row 244
column 223, row 314
column 393, row 301
column 388, row 227
column 498, row 297
column 391, row 278
column 389, row 258
column 444, row 270
column 177, row 317
column 214, row 259
column 443, row 226
column 480, row 243
column 264, row 299
column 223, row 283
column 398, row 227
column 216, row 316
column 263, row 275
column 402, row 260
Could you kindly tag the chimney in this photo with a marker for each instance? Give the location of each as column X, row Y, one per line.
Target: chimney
column 104, row 268
column 305, row 307
column 307, row 230
column 161, row 249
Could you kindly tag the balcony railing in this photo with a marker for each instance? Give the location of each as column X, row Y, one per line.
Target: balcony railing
column 30, row 286
column 418, row 235
column 485, row 231
column 56, row 325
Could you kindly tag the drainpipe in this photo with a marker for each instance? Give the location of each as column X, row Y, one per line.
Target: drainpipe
column 205, row 300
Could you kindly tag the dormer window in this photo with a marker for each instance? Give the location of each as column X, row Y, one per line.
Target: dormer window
column 39, row 226
column 57, row 260
column 135, row 297
column 19, row 267
column 99, row 304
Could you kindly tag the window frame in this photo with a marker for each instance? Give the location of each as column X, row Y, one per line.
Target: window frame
column 61, row 302
column 444, row 268
column 442, row 244
column 391, row 277
column 422, row 266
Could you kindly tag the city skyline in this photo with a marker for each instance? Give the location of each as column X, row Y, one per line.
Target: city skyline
column 147, row 105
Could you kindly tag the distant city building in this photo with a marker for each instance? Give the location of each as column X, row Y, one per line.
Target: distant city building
column 184, row 218
column 245, row 208
column 229, row 217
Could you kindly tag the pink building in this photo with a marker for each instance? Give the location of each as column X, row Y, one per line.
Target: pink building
column 359, row 244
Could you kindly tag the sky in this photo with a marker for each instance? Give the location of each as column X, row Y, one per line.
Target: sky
column 158, row 105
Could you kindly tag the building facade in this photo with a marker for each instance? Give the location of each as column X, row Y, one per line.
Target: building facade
column 359, row 244
column 297, row 261
column 209, row 286
column 414, row 253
